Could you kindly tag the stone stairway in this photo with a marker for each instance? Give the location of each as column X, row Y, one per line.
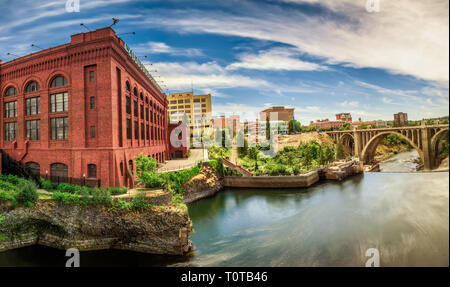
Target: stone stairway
column 236, row 167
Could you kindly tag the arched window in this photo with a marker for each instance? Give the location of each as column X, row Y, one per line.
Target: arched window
column 146, row 100
column 127, row 86
column 58, row 81
column 130, row 164
column 11, row 91
column 34, row 167
column 59, row 170
column 135, row 91
column 141, row 96
column 92, row 171
column 121, row 168
column 32, row 87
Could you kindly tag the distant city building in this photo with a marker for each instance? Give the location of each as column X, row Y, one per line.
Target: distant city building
column 232, row 122
column 366, row 124
column 187, row 105
column 252, row 131
column 381, row 124
column 400, row 119
column 284, row 114
column 327, row 124
column 346, row 117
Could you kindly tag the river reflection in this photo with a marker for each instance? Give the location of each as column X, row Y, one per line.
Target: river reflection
column 404, row 215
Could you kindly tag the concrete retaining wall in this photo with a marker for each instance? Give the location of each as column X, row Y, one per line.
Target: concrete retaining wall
column 304, row 180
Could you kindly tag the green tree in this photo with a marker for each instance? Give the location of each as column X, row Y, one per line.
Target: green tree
column 267, row 128
column 340, row 153
column 308, row 156
column 145, row 164
column 291, row 127
column 242, row 150
column 253, row 154
column 321, row 156
column 329, row 154
column 346, row 127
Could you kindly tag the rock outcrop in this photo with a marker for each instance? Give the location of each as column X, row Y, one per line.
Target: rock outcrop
column 205, row 184
column 341, row 170
column 157, row 230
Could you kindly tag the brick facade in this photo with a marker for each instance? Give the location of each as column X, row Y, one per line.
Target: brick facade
column 179, row 135
column 100, row 76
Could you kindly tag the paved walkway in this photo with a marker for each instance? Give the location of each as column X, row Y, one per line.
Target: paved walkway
column 197, row 155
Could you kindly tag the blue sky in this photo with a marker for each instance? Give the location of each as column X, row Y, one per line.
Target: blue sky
column 321, row 57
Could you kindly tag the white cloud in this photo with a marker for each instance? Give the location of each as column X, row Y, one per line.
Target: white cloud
column 274, row 59
column 386, row 100
column 406, row 37
column 349, row 104
column 210, row 75
column 163, row 48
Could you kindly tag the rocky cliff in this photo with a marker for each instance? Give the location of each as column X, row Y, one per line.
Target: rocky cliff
column 157, row 230
column 205, row 184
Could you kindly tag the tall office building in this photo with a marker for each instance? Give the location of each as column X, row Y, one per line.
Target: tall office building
column 196, row 108
column 400, row 119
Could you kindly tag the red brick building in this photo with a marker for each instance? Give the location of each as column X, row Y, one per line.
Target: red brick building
column 82, row 110
column 179, row 136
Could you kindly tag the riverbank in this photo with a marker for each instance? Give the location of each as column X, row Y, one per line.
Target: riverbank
column 208, row 182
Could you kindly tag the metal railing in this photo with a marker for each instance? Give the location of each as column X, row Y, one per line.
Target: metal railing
column 91, row 182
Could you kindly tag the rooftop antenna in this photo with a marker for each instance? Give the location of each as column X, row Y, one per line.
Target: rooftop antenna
column 85, row 27
column 115, row 21
column 192, row 87
column 33, row 45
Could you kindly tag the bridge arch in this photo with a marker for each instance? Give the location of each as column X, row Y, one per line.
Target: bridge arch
column 435, row 140
column 348, row 141
column 369, row 149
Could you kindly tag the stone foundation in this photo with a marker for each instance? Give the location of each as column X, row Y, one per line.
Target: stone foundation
column 157, row 230
column 297, row 181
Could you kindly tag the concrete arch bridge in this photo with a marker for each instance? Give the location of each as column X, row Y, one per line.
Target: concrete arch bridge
column 426, row 139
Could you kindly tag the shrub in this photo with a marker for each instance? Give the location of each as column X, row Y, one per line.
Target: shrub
column 123, row 204
column 151, row 179
column 47, row 184
column 4, row 185
column 65, row 197
column 69, row 188
column 101, row 196
column 217, row 166
column 9, row 180
column 26, row 192
column 177, row 198
column 139, row 202
column 84, row 195
column 145, row 164
column 7, row 195
column 117, row 190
